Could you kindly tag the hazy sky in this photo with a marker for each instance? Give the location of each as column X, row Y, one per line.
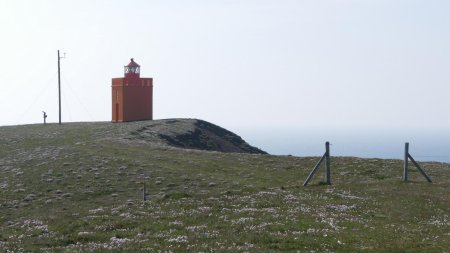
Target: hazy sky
column 237, row 63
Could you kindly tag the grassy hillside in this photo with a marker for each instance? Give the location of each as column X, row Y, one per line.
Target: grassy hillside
column 78, row 188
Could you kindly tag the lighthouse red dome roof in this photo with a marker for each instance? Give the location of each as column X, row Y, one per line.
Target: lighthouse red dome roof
column 132, row 64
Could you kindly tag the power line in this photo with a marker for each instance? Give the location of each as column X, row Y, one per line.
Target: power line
column 42, row 91
column 67, row 105
column 78, row 98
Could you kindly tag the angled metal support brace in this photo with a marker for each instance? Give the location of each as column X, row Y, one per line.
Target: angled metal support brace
column 325, row 157
column 405, row 165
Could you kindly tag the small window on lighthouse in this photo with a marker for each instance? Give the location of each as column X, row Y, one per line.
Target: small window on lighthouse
column 134, row 70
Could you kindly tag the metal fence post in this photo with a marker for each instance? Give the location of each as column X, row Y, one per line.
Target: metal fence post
column 144, row 194
column 405, row 162
column 328, row 162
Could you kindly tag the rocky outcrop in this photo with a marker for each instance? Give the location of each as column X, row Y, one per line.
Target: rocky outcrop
column 195, row 134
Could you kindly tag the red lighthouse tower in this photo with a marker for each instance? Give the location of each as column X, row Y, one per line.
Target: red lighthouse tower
column 132, row 96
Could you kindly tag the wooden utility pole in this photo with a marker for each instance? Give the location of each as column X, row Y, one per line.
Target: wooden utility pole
column 59, row 84
column 59, row 88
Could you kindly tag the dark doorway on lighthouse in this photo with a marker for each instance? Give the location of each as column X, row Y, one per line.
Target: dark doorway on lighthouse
column 117, row 112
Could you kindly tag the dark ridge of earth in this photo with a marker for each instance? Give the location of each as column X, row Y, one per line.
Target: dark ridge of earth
column 195, row 134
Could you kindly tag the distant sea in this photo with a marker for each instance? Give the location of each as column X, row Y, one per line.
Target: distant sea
column 433, row 145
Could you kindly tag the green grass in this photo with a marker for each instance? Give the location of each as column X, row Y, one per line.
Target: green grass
column 78, row 187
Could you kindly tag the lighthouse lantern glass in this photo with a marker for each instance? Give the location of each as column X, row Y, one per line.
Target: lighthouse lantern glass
column 134, row 70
